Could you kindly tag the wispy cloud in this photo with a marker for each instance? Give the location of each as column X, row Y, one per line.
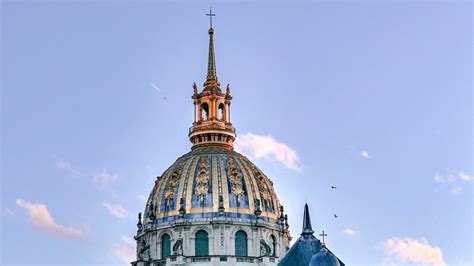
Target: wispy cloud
column 8, row 212
column 407, row 250
column 465, row 177
column 453, row 180
column 42, row 219
column 268, row 148
column 104, row 178
column 116, row 210
column 364, row 154
column 349, row 232
column 126, row 250
column 66, row 166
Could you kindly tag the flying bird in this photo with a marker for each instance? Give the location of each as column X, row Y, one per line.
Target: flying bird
column 166, row 98
column 335, row 216
column 333, row 187
column 155, row 87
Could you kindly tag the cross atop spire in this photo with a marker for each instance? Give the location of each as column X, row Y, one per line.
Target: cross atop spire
column 211, row 80
column 307, row 228
column 323, row 235
column 210, row 16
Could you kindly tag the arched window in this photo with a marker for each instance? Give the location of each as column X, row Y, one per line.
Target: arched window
column 221, row 112
column 205, row 111
column 241, row 244
column 201, row 246
column 274, row 243
column 165, row 246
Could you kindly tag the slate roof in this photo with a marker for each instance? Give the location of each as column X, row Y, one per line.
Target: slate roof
column 305, row 247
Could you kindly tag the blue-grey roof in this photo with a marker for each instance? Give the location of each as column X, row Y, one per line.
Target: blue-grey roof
column 324, row 258
column 302, row 251
column 305, row 247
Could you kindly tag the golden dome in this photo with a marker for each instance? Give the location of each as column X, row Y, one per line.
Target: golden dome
column 212, row 182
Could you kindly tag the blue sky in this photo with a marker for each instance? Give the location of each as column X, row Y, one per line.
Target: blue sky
column 372, row 97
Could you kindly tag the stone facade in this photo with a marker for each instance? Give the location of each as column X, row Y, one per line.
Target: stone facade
column 221, row 244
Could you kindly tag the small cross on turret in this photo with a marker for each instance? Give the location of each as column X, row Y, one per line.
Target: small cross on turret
column 323, row 235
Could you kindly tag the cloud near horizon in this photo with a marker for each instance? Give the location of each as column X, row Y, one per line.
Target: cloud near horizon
column 349, row 232
column 125, row 251
column 115, row 210
column 268, row 148
column 41, row 218
column 453, row 180
column 103, row 178
column 61, row 164
column 409, row 250
column 364, row 154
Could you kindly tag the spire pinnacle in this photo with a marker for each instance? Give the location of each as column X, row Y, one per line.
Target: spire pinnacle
column 211, row 66
column 210, row 16
column 307, row 228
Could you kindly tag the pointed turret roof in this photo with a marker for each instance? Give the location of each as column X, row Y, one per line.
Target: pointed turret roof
column 305, row 247
column 307, row 228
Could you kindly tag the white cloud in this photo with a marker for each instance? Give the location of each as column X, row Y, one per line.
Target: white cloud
column 103, row 178
column 439, row 178
column 267, row 147
column 409, row 250
column 452, row 180
column 63, row 165
column 116, row 210
column 125, row 251
column 349, row 232
column 41, row 218
column 364, row 154
column 465, row 177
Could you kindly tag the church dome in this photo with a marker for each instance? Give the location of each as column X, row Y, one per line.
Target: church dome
column 212, row 204
column 212, row 182
column 324, row 258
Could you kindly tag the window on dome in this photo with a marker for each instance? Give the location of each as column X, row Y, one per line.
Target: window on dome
column 165, row 246
column 273, row 245
column 205, row 111
column 201, row 246
column 241, row 244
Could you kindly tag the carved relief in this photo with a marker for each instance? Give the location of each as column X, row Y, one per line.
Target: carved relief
column 202, row 180
column 170, row 192
column 235, row 179
column 265, row 249
column 262, row 185
column 144, row 249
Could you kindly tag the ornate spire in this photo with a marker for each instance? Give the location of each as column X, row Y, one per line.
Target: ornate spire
column 211, row 80
column 307, row 228
column 212, row 125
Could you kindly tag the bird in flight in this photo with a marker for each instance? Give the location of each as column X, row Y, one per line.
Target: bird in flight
column 166, row 98
column 335, row 216
column 155, row 87
column 333, row 187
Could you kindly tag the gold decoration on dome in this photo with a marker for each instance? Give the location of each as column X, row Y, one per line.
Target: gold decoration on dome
column 235, row 179
column 202, row 180
column 170, row 190
column 262, row 185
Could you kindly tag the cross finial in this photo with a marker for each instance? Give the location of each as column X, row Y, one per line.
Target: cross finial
column 323, row 235
column 210, row 15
